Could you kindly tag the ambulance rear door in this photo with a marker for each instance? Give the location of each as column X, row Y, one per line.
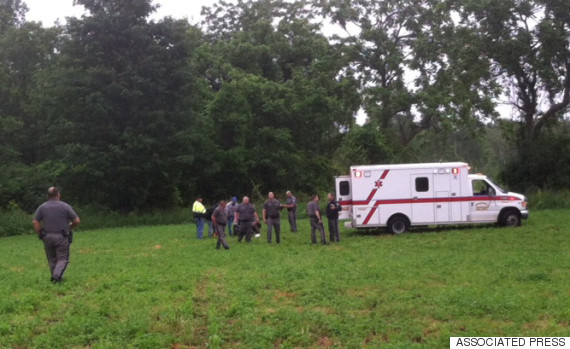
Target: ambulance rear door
column 344, row 196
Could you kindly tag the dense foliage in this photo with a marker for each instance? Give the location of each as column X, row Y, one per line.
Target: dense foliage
column 131, row 114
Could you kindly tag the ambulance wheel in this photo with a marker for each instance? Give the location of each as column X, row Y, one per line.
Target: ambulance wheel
column 398, row 225
column 510, row 218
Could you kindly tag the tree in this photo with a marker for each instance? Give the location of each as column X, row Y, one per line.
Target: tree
column 26, row 51
column 12, row 14
column 418, row 70
column 115, row 102
column 528, row 45
column 282, row 95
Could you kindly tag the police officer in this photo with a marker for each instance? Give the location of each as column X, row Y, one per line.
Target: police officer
column 314, row 213
column 220, row 220
column 53, row 222
column 208, row 220
column 333, row 208
column 245, row 215
column 291, row 206
column 271, row 217
column 198, row 211
column 230, row 211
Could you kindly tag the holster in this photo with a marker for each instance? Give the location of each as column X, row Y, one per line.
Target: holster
column 68, row 235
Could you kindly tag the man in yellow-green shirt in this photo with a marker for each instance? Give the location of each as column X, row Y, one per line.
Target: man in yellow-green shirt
column 199, row 211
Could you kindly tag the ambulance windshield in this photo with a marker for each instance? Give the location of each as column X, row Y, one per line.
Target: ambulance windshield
column 497, row 186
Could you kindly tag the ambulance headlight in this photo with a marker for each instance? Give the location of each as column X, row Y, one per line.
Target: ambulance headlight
column 524, row 203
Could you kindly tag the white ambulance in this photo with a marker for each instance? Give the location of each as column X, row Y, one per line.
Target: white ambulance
column 400, row 196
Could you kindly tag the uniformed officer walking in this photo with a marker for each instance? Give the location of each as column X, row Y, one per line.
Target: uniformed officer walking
column 314, row 213
column 230, row 211
column 271, row 217
column 291, row 206
column 53, row 222
column 220, row 220
column 245, row 214
column 333, row 208
column 198, row 211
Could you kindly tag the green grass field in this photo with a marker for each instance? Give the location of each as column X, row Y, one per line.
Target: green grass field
column 159, row 287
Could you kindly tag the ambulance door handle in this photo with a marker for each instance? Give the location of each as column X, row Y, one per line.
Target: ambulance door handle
column 415, row 198
column 438, row 206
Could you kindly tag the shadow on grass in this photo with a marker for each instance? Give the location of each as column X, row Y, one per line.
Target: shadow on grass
column 420, row 229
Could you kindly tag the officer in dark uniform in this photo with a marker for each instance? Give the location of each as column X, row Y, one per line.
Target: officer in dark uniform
column 244, row 216
column 314, row 213
column 219, row 219
column 230, row 211
column 291, row 206
column 271, row 217
column 53, row 222
column 333, row 208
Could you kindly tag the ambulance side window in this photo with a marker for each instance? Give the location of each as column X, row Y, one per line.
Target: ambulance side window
column 344, row 188
column 422, row 184
column 482, row 188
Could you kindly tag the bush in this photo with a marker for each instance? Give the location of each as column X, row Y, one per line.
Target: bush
column 15, row 221
column 541, row 200
column 98, row 218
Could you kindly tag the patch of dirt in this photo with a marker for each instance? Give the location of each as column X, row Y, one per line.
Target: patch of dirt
column 325, row 310
column 433, row 329
column 325, row 342
column 537, row 325
column 282, row 294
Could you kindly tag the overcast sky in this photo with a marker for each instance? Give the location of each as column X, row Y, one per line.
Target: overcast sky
column 48, row 11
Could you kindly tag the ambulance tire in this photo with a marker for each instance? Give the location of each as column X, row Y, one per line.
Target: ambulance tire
column 398, row 224
column 510, row 218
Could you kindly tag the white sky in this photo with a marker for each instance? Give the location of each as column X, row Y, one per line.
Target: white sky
column 48, row 12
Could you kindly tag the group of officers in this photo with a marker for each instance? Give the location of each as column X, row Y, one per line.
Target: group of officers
column 243, row 220
column 54, row 220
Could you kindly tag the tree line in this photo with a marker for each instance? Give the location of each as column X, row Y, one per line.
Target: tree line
column 131, row 114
